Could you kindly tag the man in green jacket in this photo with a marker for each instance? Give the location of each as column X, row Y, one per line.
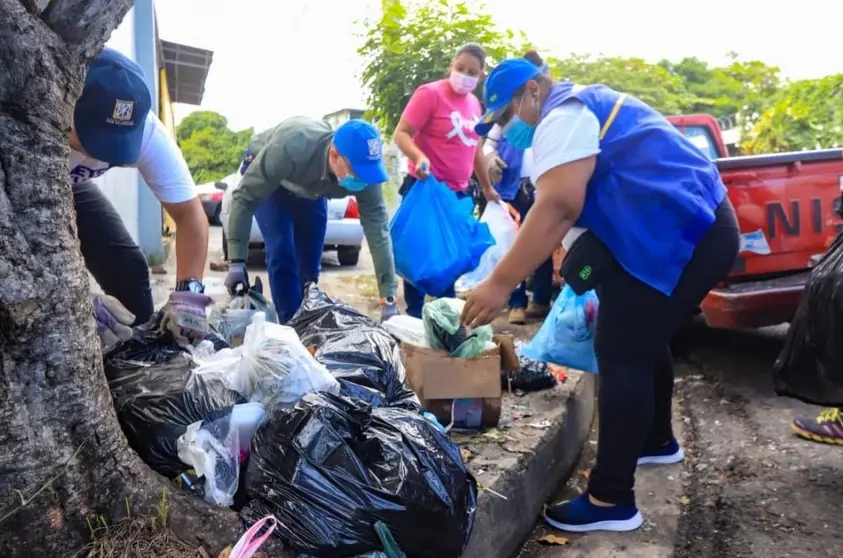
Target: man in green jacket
column 299, row 165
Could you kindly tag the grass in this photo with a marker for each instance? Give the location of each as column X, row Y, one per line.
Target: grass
column 365, row 285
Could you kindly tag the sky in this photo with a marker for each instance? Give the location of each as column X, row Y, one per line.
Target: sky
column 278, row 58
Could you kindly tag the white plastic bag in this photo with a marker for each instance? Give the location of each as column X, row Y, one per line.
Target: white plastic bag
column 272, row 367
column 231, row 319
column 278, row 368
column 213, row 451
column 504, row 229
column 406, row 329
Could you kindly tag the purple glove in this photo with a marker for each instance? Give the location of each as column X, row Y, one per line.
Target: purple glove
column 186, row 316
column 113, row 320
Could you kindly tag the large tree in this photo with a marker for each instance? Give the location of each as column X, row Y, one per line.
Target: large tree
column 413, row 42
column 63, row 456
column 211, row 149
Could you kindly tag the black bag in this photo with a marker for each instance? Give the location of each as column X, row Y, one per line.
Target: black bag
column 357, row 351
column 156, row 395
column 810, row 365
column 587, row 263
column 331, row 467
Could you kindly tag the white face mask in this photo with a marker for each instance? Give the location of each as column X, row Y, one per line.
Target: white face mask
column 461, row 83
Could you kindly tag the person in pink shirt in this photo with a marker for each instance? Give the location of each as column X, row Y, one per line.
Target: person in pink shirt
column 436, row 133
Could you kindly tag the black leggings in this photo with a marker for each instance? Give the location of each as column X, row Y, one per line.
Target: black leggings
column 110, row 254
column 635, row 325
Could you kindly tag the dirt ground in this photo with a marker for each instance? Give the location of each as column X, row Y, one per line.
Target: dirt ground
column 749, row 487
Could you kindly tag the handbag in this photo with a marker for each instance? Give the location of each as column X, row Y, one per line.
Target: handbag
column 587, row 263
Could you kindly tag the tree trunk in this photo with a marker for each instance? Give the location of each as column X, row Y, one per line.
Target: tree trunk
column 63, row 457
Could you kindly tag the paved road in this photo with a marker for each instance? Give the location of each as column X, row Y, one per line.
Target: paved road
column 749, row 488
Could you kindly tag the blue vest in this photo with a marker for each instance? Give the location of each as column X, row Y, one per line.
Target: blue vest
column 653, row 194
column 511, row 175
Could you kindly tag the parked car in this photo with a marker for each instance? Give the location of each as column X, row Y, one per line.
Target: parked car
column 210, row 194
column 343, row 232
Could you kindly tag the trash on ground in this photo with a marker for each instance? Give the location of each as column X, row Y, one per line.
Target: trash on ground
column 443, row 330
column 330, row 467
column 232, row 318
column 252, row 539
column 553, row 540
column 157, row 396
column 435, row 237
column 810, row 365
column 566, row 337
column 532, row 376
column 504, row 229
column 356, row 350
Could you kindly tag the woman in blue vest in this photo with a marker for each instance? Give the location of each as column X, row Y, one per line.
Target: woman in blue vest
column 512, row 167
column 660, row 234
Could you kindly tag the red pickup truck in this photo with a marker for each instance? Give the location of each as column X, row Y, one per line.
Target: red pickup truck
column 788, row 207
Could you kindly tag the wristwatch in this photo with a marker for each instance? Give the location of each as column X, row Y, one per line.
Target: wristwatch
column 388, row 301
column 190, row 284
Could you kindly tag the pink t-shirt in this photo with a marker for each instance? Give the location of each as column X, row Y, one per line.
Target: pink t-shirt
column 444, row 124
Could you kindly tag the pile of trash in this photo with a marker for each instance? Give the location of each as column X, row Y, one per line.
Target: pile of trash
column 311, row 423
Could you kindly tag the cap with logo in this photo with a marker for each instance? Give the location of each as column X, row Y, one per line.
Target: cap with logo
column 360, row 143
column 501, row 84
column 110, row 114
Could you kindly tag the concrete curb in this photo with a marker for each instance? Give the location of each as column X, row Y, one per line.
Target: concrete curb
column 545, row 461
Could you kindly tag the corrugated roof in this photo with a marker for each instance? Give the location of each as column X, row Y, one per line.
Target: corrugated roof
column 187, row 69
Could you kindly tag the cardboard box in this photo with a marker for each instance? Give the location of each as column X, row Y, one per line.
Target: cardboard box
column 439, row 379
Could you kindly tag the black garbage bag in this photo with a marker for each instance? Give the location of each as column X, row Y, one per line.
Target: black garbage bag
column 331, row 467
column 533, row 376
column 810, row 365
column 362, row 355
column 156, row 396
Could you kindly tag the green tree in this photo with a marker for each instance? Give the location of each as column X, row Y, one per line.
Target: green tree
column 806, row 114
column 413, row 43
column 211, row 149
column 653, row 84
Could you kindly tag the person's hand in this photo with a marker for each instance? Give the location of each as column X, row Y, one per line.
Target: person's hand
column 186, row 316
column 491, row 195
column 114, row 321
column 484, row 303
column 422, row 167
column 389, row 309
column 237, row 279
column 495, row 166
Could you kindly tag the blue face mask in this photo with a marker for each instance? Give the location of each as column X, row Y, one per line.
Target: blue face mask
column 518, row 133
column 352, row 184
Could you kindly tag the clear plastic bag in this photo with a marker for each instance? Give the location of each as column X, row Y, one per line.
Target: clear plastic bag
column 231, row 319
column 212, row 450
column 504, row 229
column 444, row 331
column 407, row 329
column 566, row 337
column 272, row 366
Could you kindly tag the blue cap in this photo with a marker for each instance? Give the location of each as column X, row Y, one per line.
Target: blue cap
column 501, row 84
column 110, row 114
column 360, row 143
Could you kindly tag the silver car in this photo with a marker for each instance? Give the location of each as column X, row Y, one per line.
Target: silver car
column 343, row 232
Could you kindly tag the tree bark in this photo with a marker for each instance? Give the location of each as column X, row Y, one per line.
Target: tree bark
column 63, row 457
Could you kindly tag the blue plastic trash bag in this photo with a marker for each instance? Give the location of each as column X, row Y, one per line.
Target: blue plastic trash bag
column 566, row 337
column 435, row 237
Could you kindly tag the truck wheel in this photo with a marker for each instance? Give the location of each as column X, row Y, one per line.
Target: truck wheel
column 224, row 247
column 348, row 255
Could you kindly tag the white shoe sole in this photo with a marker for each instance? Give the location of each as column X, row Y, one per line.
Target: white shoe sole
column 621, row 525
column 662, row 459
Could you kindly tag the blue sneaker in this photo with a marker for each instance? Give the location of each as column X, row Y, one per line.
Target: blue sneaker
column 580, row 516
column 664, row 455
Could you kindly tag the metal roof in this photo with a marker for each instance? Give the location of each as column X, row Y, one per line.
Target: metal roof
column 187, row 69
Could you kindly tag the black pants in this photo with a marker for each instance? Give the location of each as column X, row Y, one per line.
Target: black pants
column 635, row 325
column 110, row 254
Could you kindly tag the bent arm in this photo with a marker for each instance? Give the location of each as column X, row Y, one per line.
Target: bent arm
column 375, row 222
column 403, row 137
column 262, row 178
column 416, row 115
column 164, row 169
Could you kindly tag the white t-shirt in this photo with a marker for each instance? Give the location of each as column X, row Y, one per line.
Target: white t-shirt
column 526, row 158
column 161, row 165
column 566, row 134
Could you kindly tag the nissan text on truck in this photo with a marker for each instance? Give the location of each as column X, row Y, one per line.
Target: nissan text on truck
column 788, row 207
